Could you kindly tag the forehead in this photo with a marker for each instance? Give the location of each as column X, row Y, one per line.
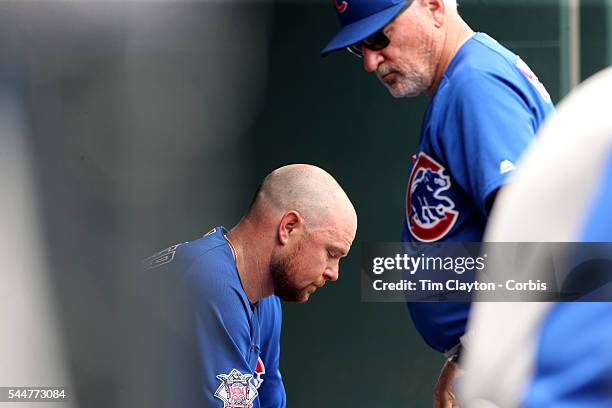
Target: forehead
column 338, row 234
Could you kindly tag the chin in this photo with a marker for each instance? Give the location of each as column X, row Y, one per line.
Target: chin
column 294, row 297
column 404, row 92
column 407, row 87
column 304, row 299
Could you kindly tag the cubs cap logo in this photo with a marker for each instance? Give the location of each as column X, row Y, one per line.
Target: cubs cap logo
column 361, row 18
column 340, row 8
column 430, row 213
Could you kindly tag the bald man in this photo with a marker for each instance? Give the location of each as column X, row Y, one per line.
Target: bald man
column 225, row 313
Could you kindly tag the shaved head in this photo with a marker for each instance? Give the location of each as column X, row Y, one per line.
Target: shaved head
column 290, row 242
column 307, row 189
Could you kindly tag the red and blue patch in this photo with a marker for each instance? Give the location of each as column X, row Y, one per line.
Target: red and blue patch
column 430, row 212
column 340, row 7
column 260, row 370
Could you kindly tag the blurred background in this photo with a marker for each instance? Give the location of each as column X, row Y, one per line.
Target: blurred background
column 128, row 126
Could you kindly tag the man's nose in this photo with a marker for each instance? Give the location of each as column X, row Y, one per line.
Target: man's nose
column 371, row 59
column 331, row 273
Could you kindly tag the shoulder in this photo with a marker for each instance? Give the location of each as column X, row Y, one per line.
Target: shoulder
column 211, row 286
column 206, row 248
column 209, row 267
column 205, row 264
column 195, row 286
column 182, row 254
column 481, row 56
column 483, row 68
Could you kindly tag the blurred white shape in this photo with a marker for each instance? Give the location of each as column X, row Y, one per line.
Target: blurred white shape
column 31, row 348
column 552, row 189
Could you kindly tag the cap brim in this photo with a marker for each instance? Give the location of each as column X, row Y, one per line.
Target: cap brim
column 362, row 29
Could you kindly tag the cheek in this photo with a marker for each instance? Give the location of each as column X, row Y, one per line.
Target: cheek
column 312, row 266
column 407, row 60
column 415, row 51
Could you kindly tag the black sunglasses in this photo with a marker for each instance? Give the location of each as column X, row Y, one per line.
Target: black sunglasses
column 376, row 41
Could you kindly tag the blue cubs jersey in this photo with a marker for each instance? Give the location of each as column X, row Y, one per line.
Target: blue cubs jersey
column 485, row 111
column 221, row 350
column 573, row 370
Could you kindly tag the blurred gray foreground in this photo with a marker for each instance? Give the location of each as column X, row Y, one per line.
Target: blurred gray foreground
column 128, row 126
column 122, row 129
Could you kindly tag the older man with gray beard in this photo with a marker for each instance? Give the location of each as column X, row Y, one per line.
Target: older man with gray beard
column 485, row 108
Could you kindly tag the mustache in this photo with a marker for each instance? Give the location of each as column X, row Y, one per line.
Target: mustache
column 321, row 284
column 383, row 70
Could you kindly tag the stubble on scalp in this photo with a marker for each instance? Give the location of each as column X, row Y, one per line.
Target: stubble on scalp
column 307, row 189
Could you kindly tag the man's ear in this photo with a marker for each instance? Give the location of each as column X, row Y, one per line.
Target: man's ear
column 437, row 10
column 289, row 225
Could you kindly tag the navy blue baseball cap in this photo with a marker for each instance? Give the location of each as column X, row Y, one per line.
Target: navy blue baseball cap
column 361, row 18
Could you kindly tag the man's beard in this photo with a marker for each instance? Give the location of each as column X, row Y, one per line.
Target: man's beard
column 281, row 269
column 405, row 84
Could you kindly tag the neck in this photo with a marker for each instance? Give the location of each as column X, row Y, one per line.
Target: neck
column 251, row 261
column 455, row 36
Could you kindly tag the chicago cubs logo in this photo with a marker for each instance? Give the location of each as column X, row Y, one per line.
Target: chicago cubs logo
column 341, row 8
column 236, row 390
column 430, row 212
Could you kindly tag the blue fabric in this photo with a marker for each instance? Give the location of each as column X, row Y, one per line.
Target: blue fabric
column 485, row 111
column 214, row 329
column 359, row 19
column 574, row 358
column 573, row 366
column 599, row 226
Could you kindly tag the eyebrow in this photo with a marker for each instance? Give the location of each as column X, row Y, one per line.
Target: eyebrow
column 340, row 250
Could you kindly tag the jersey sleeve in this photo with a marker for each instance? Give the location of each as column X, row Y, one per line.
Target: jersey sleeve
column 485, row 127
column 210, row 341
column 272, row 390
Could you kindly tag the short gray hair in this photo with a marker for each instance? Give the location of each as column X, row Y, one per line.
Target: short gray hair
column 451, row 3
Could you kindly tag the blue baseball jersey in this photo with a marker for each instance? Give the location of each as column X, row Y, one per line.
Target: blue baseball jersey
column 573, row 370
column 221, row 350
column 485, row 111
